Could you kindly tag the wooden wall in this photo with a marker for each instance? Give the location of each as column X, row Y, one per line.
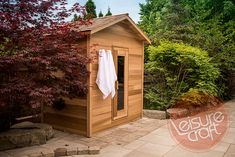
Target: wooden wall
column 118, row 35
column 73, row 118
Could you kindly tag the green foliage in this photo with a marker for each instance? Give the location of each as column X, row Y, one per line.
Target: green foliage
column 108, row 13
column 91, row 9
column 159, row 18
column 207, row 24
column 101, row 14
column 75, row 17
column 173, row 69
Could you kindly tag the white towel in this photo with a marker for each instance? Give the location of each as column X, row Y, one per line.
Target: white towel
column 102, row 79
column 106, row 75
column 112, row 72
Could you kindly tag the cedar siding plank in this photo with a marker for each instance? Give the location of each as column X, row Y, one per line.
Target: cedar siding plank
column 65, row 121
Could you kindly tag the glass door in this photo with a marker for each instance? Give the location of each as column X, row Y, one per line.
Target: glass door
column 120, row 98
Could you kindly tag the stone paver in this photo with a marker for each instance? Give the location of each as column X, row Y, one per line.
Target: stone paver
column 231, row 151
column 158, row 139
column 135, row 144
column 162, row 131
column 26, row 151
column 94, row 150
column 155, row 149
column 143, row 138
column 232, row 124
column 60, row 152
column 181, row 152
column 82, row 150
column 229, row 155
column 113, row 151
column 222, row 147
column 140, row 154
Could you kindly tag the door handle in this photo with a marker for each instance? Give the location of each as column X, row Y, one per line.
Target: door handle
column 116, row 85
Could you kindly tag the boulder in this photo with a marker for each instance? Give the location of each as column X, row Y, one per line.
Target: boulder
column 24, row 125
column 25, row 134
column 29, row 125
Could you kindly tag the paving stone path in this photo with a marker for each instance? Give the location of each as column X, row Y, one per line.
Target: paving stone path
column 143, row 138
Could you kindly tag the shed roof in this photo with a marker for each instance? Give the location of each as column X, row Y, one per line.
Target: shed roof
column 101, row 23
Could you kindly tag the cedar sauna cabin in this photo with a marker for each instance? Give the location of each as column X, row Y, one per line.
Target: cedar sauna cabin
column 92, row 114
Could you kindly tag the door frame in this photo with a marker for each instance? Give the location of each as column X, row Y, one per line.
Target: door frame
column 120, row 51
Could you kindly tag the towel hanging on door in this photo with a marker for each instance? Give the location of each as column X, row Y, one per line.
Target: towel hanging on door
column 112, row 72
column 106, row 75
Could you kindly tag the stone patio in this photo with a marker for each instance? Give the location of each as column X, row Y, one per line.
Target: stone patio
column 118, row 136
column 143, row 138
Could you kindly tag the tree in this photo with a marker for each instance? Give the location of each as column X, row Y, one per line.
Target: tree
column 36, row 44
column 207, row 24
column 75, row 17
column 90, row 9
column 108, row 13
column 164, row 20
column 101, row 14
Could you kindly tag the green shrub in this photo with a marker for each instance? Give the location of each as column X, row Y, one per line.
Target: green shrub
column 174, row 68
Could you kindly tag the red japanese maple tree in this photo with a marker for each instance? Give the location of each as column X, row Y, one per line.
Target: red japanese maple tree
column 35, row 41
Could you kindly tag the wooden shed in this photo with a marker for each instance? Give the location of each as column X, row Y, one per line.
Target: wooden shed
column 92, row 114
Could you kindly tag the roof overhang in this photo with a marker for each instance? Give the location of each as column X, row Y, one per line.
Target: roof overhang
column 122, row 18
